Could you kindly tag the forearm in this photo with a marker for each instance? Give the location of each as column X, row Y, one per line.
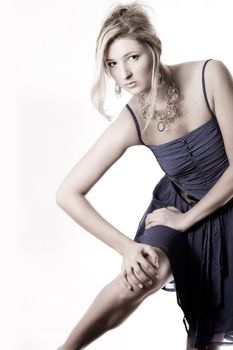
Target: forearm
column 80, row 209
column 215, row 198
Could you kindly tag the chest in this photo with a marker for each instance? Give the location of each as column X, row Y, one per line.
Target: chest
column 192, row 113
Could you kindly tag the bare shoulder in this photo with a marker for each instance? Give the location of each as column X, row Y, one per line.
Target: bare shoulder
column 189, row 74
column 122, row 130
column 214, row 69
column 218, row 73
column 136, row 109
column 222, row 85
column 125, row 123
column 120, row 134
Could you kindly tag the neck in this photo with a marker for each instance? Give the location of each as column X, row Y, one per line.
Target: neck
column 167, row 99
column 167, row 76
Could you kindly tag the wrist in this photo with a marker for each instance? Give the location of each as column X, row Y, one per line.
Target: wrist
column 125, row 245
column 187, row 221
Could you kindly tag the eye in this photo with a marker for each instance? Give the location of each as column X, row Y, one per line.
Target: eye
column 134, row 57
column 111, row 64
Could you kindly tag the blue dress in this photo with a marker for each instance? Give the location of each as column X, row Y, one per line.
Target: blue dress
column 201, row 257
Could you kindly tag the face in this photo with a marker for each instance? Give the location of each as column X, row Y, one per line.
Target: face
column 130, row 63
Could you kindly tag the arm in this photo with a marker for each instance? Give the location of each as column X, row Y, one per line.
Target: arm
column 222, row 91
column 109, row 147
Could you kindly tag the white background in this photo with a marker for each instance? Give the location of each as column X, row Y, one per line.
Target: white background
column 51, row 269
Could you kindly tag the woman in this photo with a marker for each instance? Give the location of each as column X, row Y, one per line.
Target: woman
column 183, row 114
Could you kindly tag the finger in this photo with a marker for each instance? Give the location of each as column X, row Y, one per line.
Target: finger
column 153, row 256
column 133, row 280
column 173, row 208
column 140, row 274
column 147, row 220
column 150, row 217
column 150, row 265
column 123, row 276
column 150, row 225
column 150, row 270
column 126, row 283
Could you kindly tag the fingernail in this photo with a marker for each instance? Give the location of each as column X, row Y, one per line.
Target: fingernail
column 150, row 282
column 129, row 287
column 140, row 285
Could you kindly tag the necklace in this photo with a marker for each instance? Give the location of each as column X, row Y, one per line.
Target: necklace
column 167, row 115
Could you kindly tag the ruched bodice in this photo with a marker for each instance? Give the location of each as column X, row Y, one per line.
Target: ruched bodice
column 195, row 161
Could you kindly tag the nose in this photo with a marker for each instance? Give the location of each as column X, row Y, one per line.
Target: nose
column 125, row 72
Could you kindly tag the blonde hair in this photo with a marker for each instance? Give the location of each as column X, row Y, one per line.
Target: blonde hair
column 133, row 21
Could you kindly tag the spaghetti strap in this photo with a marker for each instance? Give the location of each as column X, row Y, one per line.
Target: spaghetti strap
column 205, row 96
column 204, row 87
column 136, row 123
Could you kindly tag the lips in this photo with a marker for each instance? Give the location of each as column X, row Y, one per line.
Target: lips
column 131, row 84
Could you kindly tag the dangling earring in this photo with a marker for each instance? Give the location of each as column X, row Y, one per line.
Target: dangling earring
column 161, row 81
column 117, row 89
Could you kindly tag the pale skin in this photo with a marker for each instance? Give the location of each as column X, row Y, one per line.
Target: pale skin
column 145, row 269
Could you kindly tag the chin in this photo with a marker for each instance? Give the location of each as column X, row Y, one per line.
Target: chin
column 135, row 91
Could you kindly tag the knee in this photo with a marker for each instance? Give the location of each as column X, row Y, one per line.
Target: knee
column 138, row 294
column 124, row 293
column 164, row 273
column 164, row 270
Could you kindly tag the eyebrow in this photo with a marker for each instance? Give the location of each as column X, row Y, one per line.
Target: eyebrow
column 128, row 53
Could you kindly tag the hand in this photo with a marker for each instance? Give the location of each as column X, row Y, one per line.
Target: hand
column 139, row 266
column 169, row 216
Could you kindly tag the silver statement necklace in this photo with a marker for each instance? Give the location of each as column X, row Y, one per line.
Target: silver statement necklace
column 167, row 115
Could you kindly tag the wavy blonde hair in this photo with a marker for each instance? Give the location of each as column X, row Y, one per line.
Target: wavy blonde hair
column 131, row 20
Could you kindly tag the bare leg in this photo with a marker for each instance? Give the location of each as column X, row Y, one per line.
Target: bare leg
column 112, row 306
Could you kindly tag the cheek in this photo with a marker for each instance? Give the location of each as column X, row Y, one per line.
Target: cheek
column 146, row 68
column 113, row 75
column 146, row 71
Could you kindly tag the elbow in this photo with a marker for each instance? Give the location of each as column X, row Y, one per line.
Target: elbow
column 60, row 198
column 63, row 196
